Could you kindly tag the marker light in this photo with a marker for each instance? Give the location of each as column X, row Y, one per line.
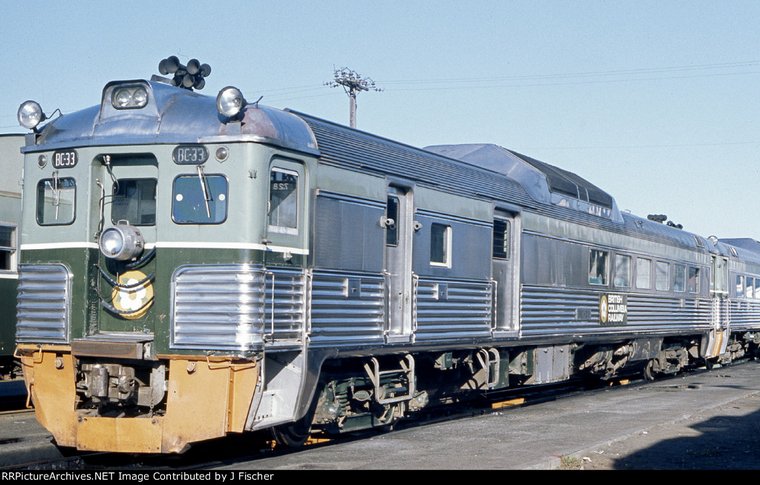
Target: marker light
column 230, row 101
column 121, row 242
column 129, row 97
column 30, row 114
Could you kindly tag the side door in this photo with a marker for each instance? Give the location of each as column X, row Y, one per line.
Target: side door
column 718, row 338
column 398, row 263
column 505, row 264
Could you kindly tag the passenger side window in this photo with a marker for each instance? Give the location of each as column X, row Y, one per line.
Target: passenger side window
column 440, row 245
column 643, row 273
column 679, row 282
column 750, row 287
column 739, row 286
column 622, row 271
column 597, row 267
column 757, row 287
column 693, row 279
column 283, row 201
column 662, row 273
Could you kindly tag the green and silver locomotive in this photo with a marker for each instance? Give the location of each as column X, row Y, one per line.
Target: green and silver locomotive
column 195, row 266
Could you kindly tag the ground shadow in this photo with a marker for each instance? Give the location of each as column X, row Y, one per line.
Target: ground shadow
column 724, row 442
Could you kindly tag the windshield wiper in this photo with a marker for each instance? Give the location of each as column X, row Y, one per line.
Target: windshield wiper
column 56, row 193
column 204, row 188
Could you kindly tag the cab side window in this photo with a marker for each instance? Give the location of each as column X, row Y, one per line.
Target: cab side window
column 56, row 199
column 283, row 201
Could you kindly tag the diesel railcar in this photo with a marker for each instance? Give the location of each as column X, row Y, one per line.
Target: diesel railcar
column 11, row 163
column 193, row 267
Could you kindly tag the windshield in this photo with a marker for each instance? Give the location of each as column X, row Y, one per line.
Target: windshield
column 134, row 200
column 199, row 199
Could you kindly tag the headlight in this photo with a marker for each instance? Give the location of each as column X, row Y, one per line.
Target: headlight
column 121, row 242
column 30, row 114
column 230, row 101
column 140, row 97
column 129, row 97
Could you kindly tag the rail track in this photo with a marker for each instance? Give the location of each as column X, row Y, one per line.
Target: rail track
column 252, row 446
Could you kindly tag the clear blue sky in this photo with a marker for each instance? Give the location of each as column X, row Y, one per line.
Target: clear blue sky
column 657, row 102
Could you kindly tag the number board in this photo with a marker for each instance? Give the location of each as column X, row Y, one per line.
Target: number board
column 65, row 159
column 190, row 154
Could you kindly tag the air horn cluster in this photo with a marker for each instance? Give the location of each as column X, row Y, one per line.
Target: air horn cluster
column 188, row 77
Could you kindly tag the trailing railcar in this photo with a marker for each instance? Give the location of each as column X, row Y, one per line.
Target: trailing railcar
column 193, row 267
column 11, row 163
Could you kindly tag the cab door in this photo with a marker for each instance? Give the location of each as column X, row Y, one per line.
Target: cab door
column 126, row 188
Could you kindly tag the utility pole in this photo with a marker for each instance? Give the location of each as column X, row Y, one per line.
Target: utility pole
column 353, row 83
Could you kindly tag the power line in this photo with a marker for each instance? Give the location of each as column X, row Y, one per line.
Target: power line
column 687, row 71
column 571, row 83
column 663, row 145
column 615, row 72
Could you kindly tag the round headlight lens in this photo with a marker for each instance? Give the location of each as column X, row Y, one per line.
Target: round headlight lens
column 121, row 242
column 230, row 101
column 30, row 114
column 140, row 97
column 121, row 98
column 111, row 242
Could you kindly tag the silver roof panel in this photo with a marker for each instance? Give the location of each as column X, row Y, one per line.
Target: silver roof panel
column 172, row 116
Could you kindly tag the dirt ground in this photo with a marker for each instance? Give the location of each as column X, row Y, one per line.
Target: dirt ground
column 724, row 438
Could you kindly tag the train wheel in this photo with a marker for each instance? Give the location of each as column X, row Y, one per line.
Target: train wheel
column 294, row 435
column 291, row 435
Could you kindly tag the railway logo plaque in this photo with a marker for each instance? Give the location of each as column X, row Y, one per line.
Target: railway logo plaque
column 613, row 309
column 135, row 296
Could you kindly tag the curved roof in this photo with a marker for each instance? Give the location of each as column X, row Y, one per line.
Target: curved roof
column 172, row 115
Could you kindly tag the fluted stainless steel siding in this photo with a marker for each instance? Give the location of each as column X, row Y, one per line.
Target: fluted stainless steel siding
column 448, row 309
column 218, row 307
column 43, row 302
column 554, row 311
column 288, row 286
column 745, row 315
column 340, row 317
